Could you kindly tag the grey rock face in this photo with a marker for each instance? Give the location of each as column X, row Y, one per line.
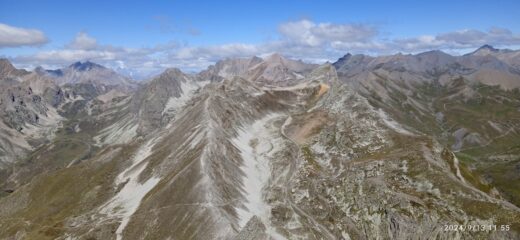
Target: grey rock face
column 21, row 109
column 20, row 106
column 54, row 96
column 151, row 100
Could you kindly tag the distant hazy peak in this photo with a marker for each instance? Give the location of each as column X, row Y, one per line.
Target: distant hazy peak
column 484, row 50
column 85, row 66
column 345, row 57
column 342, row 60
column 488, row 47
column 275, row 57
column 256, row 59
column 172, row 70
column 433, row 52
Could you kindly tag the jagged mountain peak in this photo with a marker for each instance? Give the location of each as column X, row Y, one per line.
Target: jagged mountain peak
column 484, row 50
column 85, row 66
column 6, row 65
column 5, row 62
column 350, row 63
column 8, row 70
column 275, row 57
column 256, row 59
column 278, row 70
column 229, row 67
column 488, row 47
column 39, row 69
column 238, row 64
column 169, row 75
column 172, row 71
column 434, row 58
column 345, row 57
column 272, row 69
column 350, row 59
column 434, row 53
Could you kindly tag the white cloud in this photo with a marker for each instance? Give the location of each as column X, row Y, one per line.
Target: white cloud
column 70, row 55
column 458, row 40
column 416, row 43
column 83, row 41
column 315, row 42
column 216, row 52
column 315, row 34
column 16, row 37
column 327, row 39
column 300, row 32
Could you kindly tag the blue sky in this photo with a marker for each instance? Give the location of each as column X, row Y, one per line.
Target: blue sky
column 143, row 37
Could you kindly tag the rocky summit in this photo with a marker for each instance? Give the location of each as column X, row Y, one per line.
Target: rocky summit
column 389, row 147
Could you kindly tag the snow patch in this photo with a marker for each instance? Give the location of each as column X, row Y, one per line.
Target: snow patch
column 124, row 204
column 391, row 123
column 495, row 126
column 188, row 89
column 196, row 137
column 257, row 145
column 404, row 166
column 76, row 128
column 119, row 133
column 457, row 169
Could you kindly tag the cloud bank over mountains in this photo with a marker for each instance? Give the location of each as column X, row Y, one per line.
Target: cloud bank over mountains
column 16, row 37
column 300, row 39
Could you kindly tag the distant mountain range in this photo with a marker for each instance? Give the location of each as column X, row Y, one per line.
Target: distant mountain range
column 388, row 147
column 88, row 72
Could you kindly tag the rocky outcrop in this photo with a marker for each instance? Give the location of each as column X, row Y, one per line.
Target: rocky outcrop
column 8, row 71
column 253, row 230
